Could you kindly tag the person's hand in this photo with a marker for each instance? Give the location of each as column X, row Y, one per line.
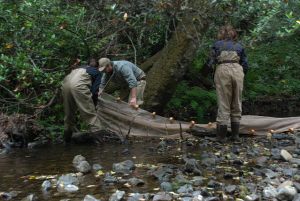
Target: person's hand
column 132, row 101
column 100, row 91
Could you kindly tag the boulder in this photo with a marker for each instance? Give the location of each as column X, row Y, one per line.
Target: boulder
column 46, row 185
column 166, row 186
column 269, row 192
column 68, row 179
column 187, row 188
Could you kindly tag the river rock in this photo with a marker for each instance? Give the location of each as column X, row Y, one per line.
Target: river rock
column 30, row 197
column 181, row 179
column 295, row 161
column 162, row 173
column 297, row 197
column 192, row 166
column 275, row 154
column 186, row 198
column 261, row 161
column 198, row 181
column 162, row 196
column 286, row 193
column 108, row 178
column 290, row 172
column 286, row 183
column 187, row 188
column 90, row 198
column 138, row 197
column 97, row 167
column 46, row 185
column 77, row 159
column 5, row 196
column 269, row 192
column 285, row 155
column 83, row 167
column 117, row 196
column 297, row 186
column 67, row 179
column 70, row 188
column 198, row 198
column 124, row 167
column 252, row 197
column 166, row 186
column 270, row 173
column 136, row 182
column 212, row 199
column 230, row 189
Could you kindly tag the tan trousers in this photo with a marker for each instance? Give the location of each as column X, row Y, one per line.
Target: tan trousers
column 229, row 78
column 77, row 95
column 141, row 85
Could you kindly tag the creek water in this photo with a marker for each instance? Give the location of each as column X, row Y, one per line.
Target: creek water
column 20, row 169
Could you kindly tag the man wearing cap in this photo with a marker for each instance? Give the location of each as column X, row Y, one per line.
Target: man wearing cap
column 80, row 91
column 124, row 71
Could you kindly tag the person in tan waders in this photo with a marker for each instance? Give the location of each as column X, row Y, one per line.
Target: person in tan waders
column 80, row 91
column 231, row 64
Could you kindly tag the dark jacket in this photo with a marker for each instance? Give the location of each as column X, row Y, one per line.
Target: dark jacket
column 96, row 76
column 228, row 45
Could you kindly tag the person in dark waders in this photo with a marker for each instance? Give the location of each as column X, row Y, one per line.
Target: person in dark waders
column 231, row 65
column 80, row 91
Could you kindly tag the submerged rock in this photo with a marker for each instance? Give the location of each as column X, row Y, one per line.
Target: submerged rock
column 124, row 167
column 198, row 181
column 117, row 196
column 90, row 198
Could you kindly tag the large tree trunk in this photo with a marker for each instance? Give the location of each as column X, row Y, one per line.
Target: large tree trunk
column 167, row 67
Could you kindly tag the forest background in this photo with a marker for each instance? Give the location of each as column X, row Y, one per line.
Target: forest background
column 169, row 40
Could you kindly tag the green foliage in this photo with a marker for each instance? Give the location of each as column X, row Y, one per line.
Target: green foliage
column 191, row 102
column 274, row 69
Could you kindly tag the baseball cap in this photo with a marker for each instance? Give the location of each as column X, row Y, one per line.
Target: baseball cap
column 103, row 62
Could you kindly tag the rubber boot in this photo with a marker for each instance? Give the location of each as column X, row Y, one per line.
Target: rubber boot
column 235, row 128
column 221, row 132
column 67, row 136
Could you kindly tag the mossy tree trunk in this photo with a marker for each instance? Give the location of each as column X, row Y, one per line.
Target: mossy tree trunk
column 166, row 68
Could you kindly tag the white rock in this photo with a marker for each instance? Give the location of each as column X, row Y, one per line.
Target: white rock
column 286, row 193
column 118, row 195
column 77, row 159
column 269, row 192
column 285, row 155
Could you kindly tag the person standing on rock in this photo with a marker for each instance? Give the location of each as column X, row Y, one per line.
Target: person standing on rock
column 80, row 91
column 124, row 71
column 231, row 64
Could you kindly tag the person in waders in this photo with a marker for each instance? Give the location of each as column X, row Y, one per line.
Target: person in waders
column 124, row 71
column 80, row 91
column 230, row 60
